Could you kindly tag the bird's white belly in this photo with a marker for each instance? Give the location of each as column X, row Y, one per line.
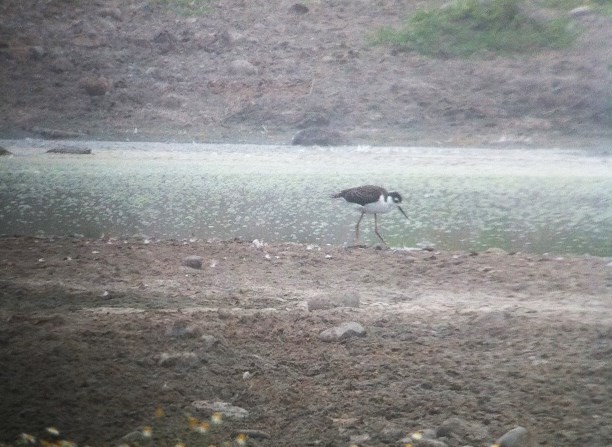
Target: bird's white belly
column 377, row 207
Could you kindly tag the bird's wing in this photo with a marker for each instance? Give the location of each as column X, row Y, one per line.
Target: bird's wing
column 362, row 194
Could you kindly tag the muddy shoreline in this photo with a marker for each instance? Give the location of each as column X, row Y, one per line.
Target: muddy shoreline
column 97, row 334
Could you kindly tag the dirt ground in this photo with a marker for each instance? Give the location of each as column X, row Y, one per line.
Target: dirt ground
column 95, row 335
column 259, row 71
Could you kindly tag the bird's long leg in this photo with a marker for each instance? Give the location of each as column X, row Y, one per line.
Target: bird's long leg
column 376, row 230
column 357, row 229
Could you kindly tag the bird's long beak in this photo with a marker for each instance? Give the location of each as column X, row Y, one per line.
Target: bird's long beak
column 400, row 208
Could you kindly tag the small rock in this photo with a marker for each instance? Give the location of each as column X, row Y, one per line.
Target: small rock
column 36, row 52
column 316, row 136
column 172, row 101
column 580, row 11
column 390, row 432
column 220, row 42
column 183, row 330
column 463, row 430
column 425, row 437
column 55, row 134
column 313, row 119
column 61, row 65
column 343, row 332
column 426, row 246
column 209, row 341
column 70, row 150
column 4, row 151
column 517, row 437
column 228, row 410
column 360, row 439
column 193, row 261
column 114, row 13
column 426, row 442
column 319, row 302
column 242, row 67
column 165, row 41
column 135, row 437
column 140, row 237
column 259, row 244
column 496, row 251
column 231, row 37
column 493, row 323
column 428, row 433
column 95, row 86
column 176, row 358
column 251, row 433
column 298, row 8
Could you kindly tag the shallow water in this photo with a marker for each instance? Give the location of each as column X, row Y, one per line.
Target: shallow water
column 554, row 201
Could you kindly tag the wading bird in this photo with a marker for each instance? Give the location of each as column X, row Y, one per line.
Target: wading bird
column 372, row 200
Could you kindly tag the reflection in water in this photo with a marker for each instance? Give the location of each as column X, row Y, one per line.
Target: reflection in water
column 534, row 201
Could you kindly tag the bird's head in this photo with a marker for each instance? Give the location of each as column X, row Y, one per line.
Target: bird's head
column 397, row 199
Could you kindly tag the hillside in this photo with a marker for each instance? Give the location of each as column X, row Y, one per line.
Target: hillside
column 259, row 71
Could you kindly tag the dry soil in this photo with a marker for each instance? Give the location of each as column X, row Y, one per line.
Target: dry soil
column 95, row 335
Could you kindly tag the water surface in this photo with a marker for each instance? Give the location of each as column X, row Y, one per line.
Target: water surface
column 542, row 201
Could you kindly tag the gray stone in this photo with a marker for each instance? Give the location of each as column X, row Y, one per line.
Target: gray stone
column 209, row 341
column 496, row 251
column 313, row 119
column 55, row 134
column 581, row 11
column 135, row 437
column 298, row 8
column 360, row 439
column 316, row 136
column 464, row 431
column 422, row 437
column 219, row 43
column 4, row 151
column 226, row 409
column 36, row 52
column 517, row 437
column 61, row 64
column 172, row 101
column 95, row 86
column 193, row 261
column 390, row 432
column 176, row 358
column 423, row 442
column 70, row 150
column 426, row 442
column 165, row 41
column 114, row 13
column 320, row 302
column 243, row 67
column 342, row 332
column 428, row 433
column 183, row 330
column 252, row 433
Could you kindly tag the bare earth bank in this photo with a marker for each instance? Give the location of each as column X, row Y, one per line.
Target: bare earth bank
column 97, row 334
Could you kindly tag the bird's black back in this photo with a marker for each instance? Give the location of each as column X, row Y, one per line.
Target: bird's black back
column 362, row 195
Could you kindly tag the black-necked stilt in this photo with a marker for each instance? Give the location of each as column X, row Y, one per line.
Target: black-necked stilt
column 372, row 200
